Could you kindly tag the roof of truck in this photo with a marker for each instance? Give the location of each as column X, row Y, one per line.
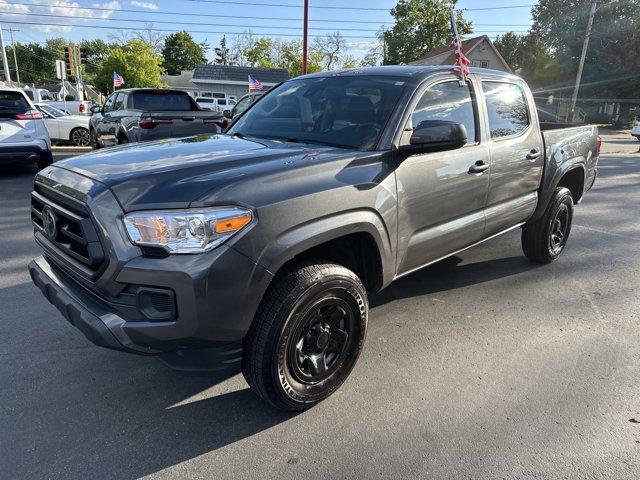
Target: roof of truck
column 414, row 71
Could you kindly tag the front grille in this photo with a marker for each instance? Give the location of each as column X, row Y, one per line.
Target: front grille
column 63, row 227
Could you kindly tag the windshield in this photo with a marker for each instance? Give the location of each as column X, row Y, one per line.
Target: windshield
column 53, row 111
column 158, row 101
column 348, row 111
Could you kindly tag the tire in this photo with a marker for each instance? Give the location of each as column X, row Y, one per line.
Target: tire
column 94, row 139
column 544, row 240
column 306, row 336
column 80, row 137
column 123, row 140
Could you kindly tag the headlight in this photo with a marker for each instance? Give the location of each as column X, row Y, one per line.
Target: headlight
column 186, row 231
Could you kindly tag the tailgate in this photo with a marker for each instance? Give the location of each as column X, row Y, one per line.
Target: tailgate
column 178, row 124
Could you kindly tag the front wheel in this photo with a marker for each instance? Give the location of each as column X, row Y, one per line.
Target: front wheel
column 95, row 144
column 80, row 137
column 306, row 336
column 544, row 240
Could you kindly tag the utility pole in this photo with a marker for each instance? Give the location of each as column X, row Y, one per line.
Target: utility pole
column 5, row 64
column 15, row 58
column 585, row 45
column 304, row 37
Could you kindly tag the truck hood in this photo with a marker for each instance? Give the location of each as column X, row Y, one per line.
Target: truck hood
column 175, row 172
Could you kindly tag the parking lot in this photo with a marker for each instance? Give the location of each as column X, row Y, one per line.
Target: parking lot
column 481, row 366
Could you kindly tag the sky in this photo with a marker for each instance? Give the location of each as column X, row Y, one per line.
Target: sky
column 208, row 19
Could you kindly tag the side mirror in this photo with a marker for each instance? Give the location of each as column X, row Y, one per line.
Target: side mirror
column 227, row 114
column 95, row 109
column 436, row 135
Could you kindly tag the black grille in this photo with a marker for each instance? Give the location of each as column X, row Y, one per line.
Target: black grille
column 65, row 230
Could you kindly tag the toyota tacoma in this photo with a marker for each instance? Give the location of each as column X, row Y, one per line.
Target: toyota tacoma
column 258, row 248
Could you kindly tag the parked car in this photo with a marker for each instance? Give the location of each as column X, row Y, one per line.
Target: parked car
column 259, row 248
column 215, row 104
column 63, row 127
column 635, row 131
column 72, row 107
column 23, row 135
column 244, row 103
column 141, row 114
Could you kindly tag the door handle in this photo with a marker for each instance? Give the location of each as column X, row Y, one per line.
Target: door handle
column 533, row 154
column 478, row 167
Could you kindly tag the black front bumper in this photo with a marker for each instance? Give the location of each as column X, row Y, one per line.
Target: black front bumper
column 80, row 310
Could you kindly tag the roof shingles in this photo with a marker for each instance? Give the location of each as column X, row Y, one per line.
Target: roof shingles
column 239, row 74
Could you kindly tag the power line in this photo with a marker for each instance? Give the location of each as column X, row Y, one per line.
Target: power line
column 166, row 30
column 244, row 17
column 278, row 27
column 49, row 15
column 208, row 32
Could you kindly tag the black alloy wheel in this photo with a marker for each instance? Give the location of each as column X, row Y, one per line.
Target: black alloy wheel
column 559, row 229
column 306, row 336
column 545, row 238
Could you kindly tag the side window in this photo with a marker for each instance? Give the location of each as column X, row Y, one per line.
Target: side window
column 242, row 105
column 506, row 107
column 108, row 104
column 118, row 103
column 450, row 102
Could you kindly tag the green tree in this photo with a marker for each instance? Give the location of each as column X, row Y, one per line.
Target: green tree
column 136, row 61
column 96, row 51
column 259, row 54
column 613, row 57
column 420, row 26
column 37, row 63
column 291, row 58
column 182, row 52
column 510, row 47
column 223, row 53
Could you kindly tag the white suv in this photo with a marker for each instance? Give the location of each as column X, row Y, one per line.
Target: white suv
column 23, row 135
column 635, row 131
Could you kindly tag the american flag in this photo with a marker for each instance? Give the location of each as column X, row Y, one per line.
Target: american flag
column 254, row 84
column 118, row 80
column 462, row 62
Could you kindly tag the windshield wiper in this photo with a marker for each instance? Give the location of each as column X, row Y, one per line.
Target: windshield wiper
column 237, row 134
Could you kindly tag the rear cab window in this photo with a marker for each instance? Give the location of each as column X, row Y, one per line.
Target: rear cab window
column 507, row 108
column 162, row 100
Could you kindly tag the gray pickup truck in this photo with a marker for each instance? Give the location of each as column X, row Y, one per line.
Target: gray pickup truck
column 142, row 114
column 258, row 248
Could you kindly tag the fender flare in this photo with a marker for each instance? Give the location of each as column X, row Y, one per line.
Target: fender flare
column 308, row 235
column 552, row 176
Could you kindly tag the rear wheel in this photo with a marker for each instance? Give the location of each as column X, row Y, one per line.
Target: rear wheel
column 306, row 336
column 544, row 240
column 80, row 137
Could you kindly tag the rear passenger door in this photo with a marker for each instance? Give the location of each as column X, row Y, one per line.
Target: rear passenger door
column 517, row 154
column 440, row 203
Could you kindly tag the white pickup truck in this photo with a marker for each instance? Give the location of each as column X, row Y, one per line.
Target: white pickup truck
column 72, row 107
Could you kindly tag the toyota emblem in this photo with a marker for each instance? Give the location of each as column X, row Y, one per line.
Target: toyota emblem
column 49, row 222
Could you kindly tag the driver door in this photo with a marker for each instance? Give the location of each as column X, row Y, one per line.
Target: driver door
column 440, row 203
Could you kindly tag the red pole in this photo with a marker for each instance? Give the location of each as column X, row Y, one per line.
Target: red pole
column 304, row 37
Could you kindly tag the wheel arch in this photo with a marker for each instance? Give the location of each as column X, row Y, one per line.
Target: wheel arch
column 570, row 175
column 357, row 240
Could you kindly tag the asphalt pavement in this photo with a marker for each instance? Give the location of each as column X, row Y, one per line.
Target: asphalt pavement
column 481, row 366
